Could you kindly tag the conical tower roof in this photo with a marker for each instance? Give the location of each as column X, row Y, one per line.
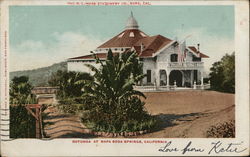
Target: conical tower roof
column 131, row 22
column 126, row 38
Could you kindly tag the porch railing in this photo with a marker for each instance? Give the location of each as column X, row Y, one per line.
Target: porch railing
column 171, row 87
column 181, row 64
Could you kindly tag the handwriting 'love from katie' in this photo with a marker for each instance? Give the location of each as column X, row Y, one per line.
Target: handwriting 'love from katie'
column 215, row 147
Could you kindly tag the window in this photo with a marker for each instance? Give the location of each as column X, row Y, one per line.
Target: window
column 196, row 59
column 131, row 34
column 174, row 57
column 148, row 76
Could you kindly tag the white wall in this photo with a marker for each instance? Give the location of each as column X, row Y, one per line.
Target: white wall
column 79, row 66
column 164, row 56
column 189, row 57
column 149, row 64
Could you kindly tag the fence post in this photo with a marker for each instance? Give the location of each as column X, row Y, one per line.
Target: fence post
column 175, row 84
column 37, row 123
column 37, row 116
column 194, row 84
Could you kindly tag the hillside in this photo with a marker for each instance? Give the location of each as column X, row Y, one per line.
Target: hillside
column 40, row 76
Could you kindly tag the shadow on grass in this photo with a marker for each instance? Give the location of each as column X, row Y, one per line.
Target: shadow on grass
column 73, row 134
column 65, row 126
column 169, row 120
column 68, row 133
column 77, row 135
column 49, row 117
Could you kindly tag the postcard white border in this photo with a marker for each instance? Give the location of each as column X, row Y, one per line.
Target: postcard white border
column 65, row 147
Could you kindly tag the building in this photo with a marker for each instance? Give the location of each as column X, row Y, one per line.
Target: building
column 166, row 62
column 45, row 95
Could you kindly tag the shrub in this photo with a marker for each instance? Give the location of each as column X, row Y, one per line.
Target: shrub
column 69, row 93
column 222, row 130
column 111, row 103
column 22, row 123
column 66, row 81
column 70, row 105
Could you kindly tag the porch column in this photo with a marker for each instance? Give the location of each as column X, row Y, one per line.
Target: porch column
column 192, row 77
column 157, row 78
column 202, row 77
column 202, row 86
column 183, row 81
column 167, row 72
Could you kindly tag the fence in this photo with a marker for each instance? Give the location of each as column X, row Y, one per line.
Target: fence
column 38, row 116
column 171, row 88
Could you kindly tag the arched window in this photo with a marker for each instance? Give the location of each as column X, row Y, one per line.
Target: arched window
column 174, row 57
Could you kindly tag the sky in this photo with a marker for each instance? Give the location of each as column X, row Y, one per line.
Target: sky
column 43, row 35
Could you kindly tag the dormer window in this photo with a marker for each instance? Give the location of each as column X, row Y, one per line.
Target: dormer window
column 196, row 59
column 131, row 34
column 174, row 57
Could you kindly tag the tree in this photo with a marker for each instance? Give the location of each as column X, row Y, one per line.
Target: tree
column 111, row 102
column 222, row 74
column 20, row 91
column 66, row 81
column 69, row 93
column 22, row 123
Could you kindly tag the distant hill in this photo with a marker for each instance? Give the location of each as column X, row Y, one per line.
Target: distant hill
column 40, row 76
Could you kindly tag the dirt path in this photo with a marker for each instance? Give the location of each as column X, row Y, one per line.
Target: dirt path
column 64, row 126
column 194, row 125
column 188, row 113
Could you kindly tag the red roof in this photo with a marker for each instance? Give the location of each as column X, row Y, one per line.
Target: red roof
column 91, row 57
column 127, row 38
column 151, row 45
column 198, row 52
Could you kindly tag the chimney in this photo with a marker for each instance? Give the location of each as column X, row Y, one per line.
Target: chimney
column 142, row 47
column 198, row 49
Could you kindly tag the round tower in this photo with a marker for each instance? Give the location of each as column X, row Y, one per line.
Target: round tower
column 131, row 22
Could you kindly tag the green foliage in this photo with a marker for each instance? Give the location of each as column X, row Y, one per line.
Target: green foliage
column 66, row 81
column 20, row 91
column 222, row 74
column 110, row 100
column 70, row 90
column 22, row 123
column 70, row 108
column 222, row 130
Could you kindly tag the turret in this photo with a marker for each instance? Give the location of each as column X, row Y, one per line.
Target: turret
column 131, row 22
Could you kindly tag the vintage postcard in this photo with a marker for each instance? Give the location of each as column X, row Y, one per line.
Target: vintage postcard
column 124, row 78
